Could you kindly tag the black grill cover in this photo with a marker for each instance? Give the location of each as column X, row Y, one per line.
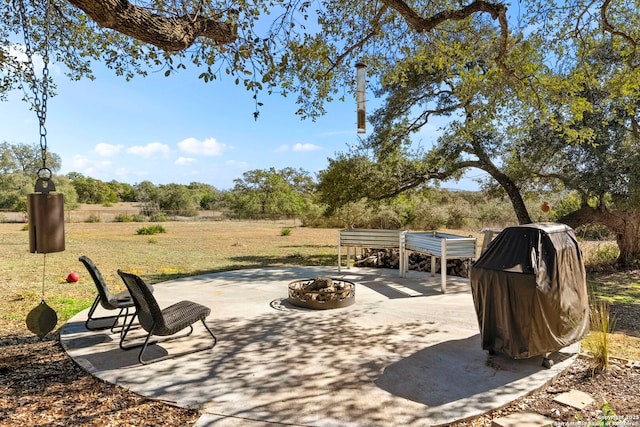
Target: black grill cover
column 530, row 291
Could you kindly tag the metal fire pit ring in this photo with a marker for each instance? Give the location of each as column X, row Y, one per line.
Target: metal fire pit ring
column 343, row 295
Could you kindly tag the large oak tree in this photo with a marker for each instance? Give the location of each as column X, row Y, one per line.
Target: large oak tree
column 510, row 65
column 575, row 129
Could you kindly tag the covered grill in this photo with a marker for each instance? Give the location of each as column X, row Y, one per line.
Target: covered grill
column 530, row 292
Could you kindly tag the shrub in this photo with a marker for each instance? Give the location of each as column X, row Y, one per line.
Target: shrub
column 140, row 218
column 602, row 324
column 92, row 218
column 285, row 232
column 158, row 217
column 429, row 218
column 188, row 213
column 385, row 217
column 495, row 214
column 123, row 218
column 605, row 255
column 594, row 232
column 456, row 215
column 152, row 229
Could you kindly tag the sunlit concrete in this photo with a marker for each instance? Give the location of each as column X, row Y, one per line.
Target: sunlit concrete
column 403, row 355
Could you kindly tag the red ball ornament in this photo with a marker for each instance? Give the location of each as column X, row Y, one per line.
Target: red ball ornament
column 73, row 277
column 545, row 207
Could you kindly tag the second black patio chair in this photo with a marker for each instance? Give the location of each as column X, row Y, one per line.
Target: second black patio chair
column 161, row 322
column 120, row 301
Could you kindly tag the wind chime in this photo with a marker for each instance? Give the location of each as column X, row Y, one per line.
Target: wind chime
column 360, row 97
column 45, row 207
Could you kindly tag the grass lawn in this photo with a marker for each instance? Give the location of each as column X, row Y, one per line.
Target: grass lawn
column 186, row 249
column 191, row 248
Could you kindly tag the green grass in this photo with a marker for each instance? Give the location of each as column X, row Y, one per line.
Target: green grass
column 66, row 308
column 190, row 248
column 622, row 288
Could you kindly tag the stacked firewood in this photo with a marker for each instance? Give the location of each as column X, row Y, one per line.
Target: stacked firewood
column 390, row 258
column 320, row 289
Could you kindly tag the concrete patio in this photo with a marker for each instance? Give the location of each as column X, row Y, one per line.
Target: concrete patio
column 403, row 355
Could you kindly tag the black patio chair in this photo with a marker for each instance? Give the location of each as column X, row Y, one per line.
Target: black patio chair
column 120, row 301
column 165, row 322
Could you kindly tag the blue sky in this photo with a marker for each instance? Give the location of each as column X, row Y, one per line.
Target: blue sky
column 178, row 129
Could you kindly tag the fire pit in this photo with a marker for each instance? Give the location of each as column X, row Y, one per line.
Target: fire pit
column 322, row 293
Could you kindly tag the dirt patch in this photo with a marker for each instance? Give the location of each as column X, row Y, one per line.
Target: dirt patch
column 40, row 385
column 615, row 393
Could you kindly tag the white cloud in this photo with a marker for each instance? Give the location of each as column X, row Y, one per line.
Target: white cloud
column 90, row 167
column 208, row 147
column 306, row 147
column 150, row 149
column 282, row 148
column 185, row 161
column 17, row 51
column 107, row 150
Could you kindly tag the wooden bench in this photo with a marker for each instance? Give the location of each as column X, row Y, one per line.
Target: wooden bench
column 442, row 245
column 368, row 238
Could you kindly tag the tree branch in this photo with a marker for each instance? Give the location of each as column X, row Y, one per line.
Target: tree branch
column 367, row 37
column 420, row 24
column 607, row 26
column 417, row 179
column 170, row 33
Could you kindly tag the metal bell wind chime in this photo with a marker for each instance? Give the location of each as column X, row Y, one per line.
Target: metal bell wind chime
column 45, row 207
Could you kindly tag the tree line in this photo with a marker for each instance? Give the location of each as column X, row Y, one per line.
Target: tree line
column 275, row 194
column 286, row 193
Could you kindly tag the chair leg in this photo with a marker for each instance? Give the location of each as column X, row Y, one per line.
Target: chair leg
column 124, row 322
column 169, row 338
column 91, row 319
column 125, row 331
column 147, row 342
column 91, row 311
column 144, row 347
column 215, row 340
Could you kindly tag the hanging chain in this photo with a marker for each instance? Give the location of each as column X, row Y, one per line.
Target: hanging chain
column 39, row 102
column 44, row 270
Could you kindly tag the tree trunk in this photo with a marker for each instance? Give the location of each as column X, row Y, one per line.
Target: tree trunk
column 624, row 224
column 629, row 244
column 516, row 201
column 512, row 190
